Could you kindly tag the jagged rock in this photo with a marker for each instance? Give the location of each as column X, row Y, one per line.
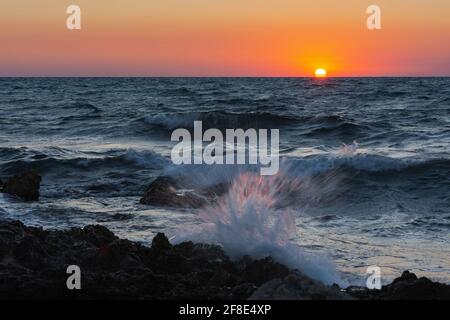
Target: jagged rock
column 33, row 264
column 297, row 287
column 409, row 287
column 406, row 276
column 170, row 192
column 160, row 242
column 405, row 287
column 261, row 271
column 24, row 185
column 95, row 234
column 164, row 191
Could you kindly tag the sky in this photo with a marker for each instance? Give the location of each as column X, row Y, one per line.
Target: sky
column 224, row 38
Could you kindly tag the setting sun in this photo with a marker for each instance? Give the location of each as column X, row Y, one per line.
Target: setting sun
column 320, row 73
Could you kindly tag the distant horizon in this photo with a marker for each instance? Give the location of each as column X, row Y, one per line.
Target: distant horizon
column 213, row 76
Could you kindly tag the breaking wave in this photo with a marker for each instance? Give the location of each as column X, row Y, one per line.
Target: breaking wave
column 218, row 119
column 247, row 221
column 54, row 159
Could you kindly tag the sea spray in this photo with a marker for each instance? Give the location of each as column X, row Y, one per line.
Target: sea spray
column 249, row 220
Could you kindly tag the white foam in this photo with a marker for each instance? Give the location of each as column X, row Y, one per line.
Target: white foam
column 246, row 222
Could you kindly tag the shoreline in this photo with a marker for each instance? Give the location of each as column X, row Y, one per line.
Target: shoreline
column 33, row 265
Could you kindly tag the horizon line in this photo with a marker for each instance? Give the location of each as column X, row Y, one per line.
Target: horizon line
column 220, row 76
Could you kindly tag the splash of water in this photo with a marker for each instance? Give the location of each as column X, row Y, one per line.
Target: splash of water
column 252, row 220
column 348, row 149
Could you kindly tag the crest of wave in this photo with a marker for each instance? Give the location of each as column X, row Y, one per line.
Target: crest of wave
column 253, row 219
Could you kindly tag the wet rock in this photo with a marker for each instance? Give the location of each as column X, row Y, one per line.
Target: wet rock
column 244, row 290
column 361, row 293
column 297, row 287
column 171, row 192
column 160, row 242
column 24, row 185
column 33, row 265
column 96, row 234
column 117, row 255
column 164, row 191
column 261, row 271
column 409, row 287
column 30, row 251
column 405, row 287
column 406, row 276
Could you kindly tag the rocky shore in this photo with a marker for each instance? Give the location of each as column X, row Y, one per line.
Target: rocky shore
column 178, row 193
column 24, row 185
column 33, row 265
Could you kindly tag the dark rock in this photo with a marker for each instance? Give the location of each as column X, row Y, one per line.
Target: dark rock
column 24, row 185
column 362, row 293
column 405, row 287
column 96, row 234
column 261, row 271
column 243, row 291
column 117, row 255
column 409, row 287
column 160, row 242
column 33, row 265
column 406, row 276
column 297, row 287
column 29, row 250
column 165, row 191
column 171, row 192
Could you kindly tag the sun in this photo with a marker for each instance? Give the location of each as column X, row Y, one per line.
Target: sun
column 320, row 73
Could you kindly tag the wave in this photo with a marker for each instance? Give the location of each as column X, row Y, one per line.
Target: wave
column 219, row 119
column 246, row 221
column 144, row 158
column 390, row 93
column 262, row 98
column 316, row 164
column 326, row 125
column 83, row 105
column 368, row 163
column 346, row 129
column 180, row 91
column 54, row 159
column 324, row 178
column 329, row 118
column 320, row 126
column 256, row 217
column 235, row 120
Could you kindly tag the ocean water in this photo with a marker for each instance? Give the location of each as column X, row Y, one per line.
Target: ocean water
column 365, row 164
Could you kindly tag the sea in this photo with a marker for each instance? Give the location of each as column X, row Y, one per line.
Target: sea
column 365, row 163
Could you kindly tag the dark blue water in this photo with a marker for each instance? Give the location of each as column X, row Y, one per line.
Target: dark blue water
column 99, row 141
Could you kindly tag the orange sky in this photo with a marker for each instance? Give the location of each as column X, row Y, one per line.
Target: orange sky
column 224, row 38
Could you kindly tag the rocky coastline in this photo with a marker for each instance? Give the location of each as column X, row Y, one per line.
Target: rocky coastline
column 34, row 262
